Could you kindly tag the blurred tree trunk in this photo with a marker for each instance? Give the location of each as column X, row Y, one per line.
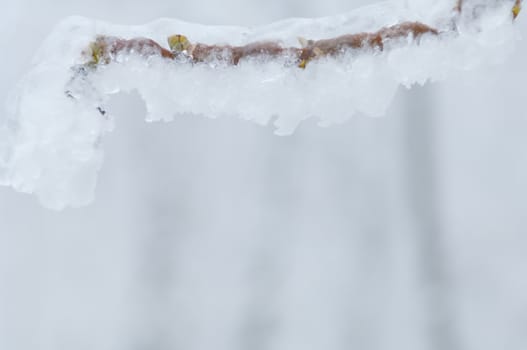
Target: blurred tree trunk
column 423, row 173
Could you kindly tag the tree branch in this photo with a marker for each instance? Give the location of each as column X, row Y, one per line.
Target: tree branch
column 106, row 48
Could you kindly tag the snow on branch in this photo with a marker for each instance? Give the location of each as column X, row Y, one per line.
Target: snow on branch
column 105, row 49
column 328, row 68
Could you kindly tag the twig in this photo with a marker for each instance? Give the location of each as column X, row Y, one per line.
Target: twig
column 335, row 46
column 105, row 49
column 516, row 8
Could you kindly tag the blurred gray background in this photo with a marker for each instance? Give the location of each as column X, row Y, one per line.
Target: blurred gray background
column 402, row 232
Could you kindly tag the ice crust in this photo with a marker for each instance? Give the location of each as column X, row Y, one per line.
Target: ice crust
column 51, row 145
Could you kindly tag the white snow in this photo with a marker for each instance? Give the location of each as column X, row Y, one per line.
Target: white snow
column 51, row 145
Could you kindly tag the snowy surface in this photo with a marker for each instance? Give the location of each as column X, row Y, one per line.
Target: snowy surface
column 51, row 145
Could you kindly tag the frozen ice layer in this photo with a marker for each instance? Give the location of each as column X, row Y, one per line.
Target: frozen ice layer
column 53, row 145
column 51, row 140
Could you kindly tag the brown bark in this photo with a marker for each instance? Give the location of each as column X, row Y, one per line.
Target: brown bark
column 376, row 40
column 233, row 54
column 105, row 49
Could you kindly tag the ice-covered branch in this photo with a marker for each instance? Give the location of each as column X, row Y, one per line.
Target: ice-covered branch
column 515, row 7
column 105, row 49
column 51, row 142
